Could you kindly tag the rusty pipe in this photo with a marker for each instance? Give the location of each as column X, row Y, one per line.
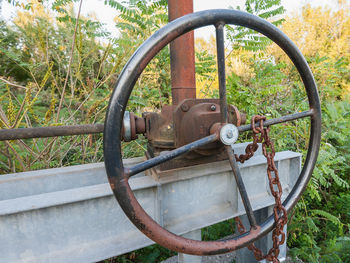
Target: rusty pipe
column 182, row 60
column 52, row 131
column 137, row 126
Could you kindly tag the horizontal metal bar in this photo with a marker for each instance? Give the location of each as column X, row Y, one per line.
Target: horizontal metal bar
column 282, row 119
column 52, row 131
column 169, row 155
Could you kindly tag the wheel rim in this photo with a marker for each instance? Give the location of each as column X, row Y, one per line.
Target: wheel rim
column 120, row 97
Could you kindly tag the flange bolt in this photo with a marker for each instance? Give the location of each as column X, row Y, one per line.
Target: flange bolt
column 184, row 107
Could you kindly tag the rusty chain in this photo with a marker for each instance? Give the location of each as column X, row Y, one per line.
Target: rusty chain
column 279, row 212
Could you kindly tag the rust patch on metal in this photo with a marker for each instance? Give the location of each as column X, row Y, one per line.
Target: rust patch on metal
column 196, row 121
column 51, row 131
column 112, row 185
column 182, row 58
column 182, row 124
column 159, row 128
column 137, row 126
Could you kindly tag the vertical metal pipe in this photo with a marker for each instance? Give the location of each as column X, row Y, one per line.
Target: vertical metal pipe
column 182, row 60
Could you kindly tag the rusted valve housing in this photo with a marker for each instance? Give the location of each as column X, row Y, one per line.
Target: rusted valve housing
column 178, row 125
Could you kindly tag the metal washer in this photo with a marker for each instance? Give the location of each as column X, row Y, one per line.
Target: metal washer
column 127, row 126
column 229, row 134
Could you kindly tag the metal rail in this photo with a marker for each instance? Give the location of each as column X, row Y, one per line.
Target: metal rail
column 40, row 202
column 53, row 131
column 282, row 119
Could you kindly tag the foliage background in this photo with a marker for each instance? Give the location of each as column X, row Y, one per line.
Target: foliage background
column 58, row 68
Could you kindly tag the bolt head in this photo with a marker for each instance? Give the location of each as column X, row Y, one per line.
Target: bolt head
column 229, row 134
column 213, row 107
column 184, row 107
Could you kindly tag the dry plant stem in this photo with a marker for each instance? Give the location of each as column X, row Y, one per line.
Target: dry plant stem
column 139, row 145
column 18, row 114
column 12, row 84
column 23, row 147
column 43, row 151
column 114, row 69
column 3, row 118
column 74, row 141
column 70, row 61
column 73, row 82
column 107, row 78
column 25, row 111
column 16, row 154
column 6, row 121
column 50, row 149
column 36, row 82
column 28, row 148
column 104, row 57
column 212, row 81
column 9, row 157
column 97, row 147
column 83, row 148
column 47, row 49
column 101, row 110
column 34, row 139
column 56, row 151
column 6, row 154
column 59, row 91
column 35, row 145
column 81, row 104
column 5, row 165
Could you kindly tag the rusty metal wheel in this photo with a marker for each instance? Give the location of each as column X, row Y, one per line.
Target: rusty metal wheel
column 118, row 175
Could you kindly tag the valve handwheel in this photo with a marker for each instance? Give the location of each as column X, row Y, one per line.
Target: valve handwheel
column 118, row 175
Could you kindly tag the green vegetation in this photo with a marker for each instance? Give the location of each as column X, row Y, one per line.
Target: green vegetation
column 58, row 68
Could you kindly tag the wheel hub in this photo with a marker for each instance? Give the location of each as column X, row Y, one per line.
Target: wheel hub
column 229, row 134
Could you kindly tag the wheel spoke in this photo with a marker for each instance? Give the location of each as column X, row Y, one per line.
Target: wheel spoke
column 282, row 119
column 130, row 171
column 220, row 47
column 241, row 187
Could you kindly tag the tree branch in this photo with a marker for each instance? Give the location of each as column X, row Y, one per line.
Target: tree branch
column 12, row 84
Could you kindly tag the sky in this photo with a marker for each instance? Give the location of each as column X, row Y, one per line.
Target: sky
column 106, row 14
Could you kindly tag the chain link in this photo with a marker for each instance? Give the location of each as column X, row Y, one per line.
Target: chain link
column 279, row 212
